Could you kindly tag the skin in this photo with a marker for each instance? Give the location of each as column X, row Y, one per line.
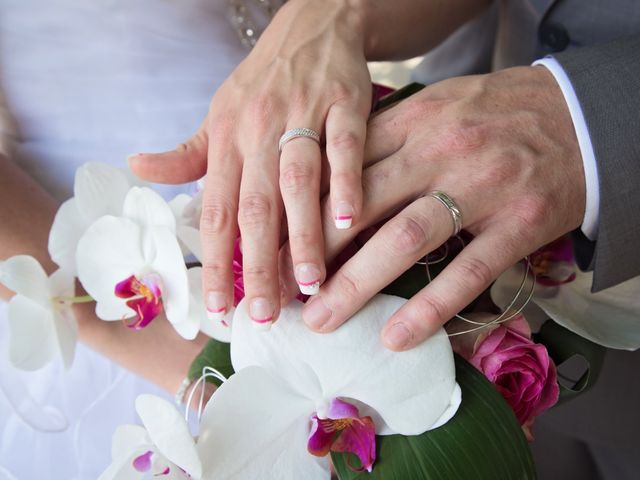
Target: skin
column 307, row 70
column 503, row 147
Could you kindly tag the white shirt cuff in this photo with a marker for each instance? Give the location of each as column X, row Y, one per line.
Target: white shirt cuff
column 592, row 208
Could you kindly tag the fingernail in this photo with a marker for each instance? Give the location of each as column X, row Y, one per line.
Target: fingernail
column 398, row 336
column 261, row 312
column 308, row 278
column 216, row 306
column 344, row 215
column 226, row 319
column 316, row 314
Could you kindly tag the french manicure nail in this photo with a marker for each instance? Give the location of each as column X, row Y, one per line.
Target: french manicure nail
column 344, row 215
column 316, row 314
column 216, row 306
column 398, row 336
column 261, row 312
column 308, row 278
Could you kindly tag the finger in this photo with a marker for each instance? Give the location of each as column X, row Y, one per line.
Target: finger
column 259, row 217
column 386, row 134
column 346, row 133
column 466, row 277
column 187, row 163
column 418, row 229
column 300, row 163
column 219, row 230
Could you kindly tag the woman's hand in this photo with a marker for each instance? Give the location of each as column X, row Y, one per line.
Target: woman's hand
column 504, row 148
column 307, row 70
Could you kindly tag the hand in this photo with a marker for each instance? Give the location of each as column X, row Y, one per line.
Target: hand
column 503, row 147
column 307, row 70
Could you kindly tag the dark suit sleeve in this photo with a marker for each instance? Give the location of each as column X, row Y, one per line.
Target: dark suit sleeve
column 606, row 79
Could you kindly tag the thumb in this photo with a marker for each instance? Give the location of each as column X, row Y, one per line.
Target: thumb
column 187, row 163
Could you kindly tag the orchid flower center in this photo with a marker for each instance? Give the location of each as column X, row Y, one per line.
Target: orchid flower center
column 144, row 298
column 149, row 461
column 344, row 431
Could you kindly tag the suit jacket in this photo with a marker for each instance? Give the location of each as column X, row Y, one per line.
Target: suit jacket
column 598, row 44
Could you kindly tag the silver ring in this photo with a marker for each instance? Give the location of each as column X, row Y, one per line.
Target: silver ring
column 296, row 133
column 454, row 210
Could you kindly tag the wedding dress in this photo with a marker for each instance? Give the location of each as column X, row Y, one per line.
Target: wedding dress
column 94, row 80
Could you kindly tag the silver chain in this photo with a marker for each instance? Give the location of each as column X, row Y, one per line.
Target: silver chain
column 241, row 16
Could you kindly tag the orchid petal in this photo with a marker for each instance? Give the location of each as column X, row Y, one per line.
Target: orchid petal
column 190, row 237
column 164, row 257
column 129, row 439
column 256, row 427
column 360, row 439
column 122, row 469
column 609, row 317
column 198, row 312
column 148, row 209
column 24, row 275
column 169, row 432
column 109, row 252
column 352, row 363
column 320, row 440
column 66, row 231
column 178, row 204
column 99, row 189
column 66, row 330
column 32, row 335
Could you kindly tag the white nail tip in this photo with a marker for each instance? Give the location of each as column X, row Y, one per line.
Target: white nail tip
column 343, row 224
column 311, row 289
column 262, row 326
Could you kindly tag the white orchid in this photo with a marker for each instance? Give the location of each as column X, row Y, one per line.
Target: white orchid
column 163, row 448
column 187, row 211
column 42, row 325
column 99, row 189
column 132, row 265
column 609, row 317
column 296, row 391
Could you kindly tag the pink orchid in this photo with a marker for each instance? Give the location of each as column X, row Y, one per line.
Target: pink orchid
column 554, row 264
column 343, row 430
column 145, row 296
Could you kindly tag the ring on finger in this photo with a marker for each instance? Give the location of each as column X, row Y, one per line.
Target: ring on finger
column 297, row 133
column 452, row 206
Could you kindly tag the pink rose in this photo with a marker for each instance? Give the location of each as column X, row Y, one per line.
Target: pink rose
column 520, row 369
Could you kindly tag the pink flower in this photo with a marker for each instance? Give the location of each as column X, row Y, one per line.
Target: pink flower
column 145, row 296
column 344, row 431
column 520, row 369
column 554, row 263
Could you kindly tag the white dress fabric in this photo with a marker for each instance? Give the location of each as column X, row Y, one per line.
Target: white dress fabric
column 94, row 80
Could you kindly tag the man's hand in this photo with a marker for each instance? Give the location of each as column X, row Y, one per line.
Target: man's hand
column 504, row 148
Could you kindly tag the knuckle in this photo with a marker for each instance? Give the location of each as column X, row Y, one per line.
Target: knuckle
column 213, row 272
column 474, row 273
column 348, row 178
column 345, row 141
column 348, row 286
column 341, row 90
column 532, row 214
column 431, row 308
column 296, row 177
column 257, row 273
column 464, row 136
column 255, row 209
column 302, row 238
column 407, row 235
column 215, row 217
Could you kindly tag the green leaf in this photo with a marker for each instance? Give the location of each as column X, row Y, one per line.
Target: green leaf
column 562, row 344
column 216, row 355
column 482, row 441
